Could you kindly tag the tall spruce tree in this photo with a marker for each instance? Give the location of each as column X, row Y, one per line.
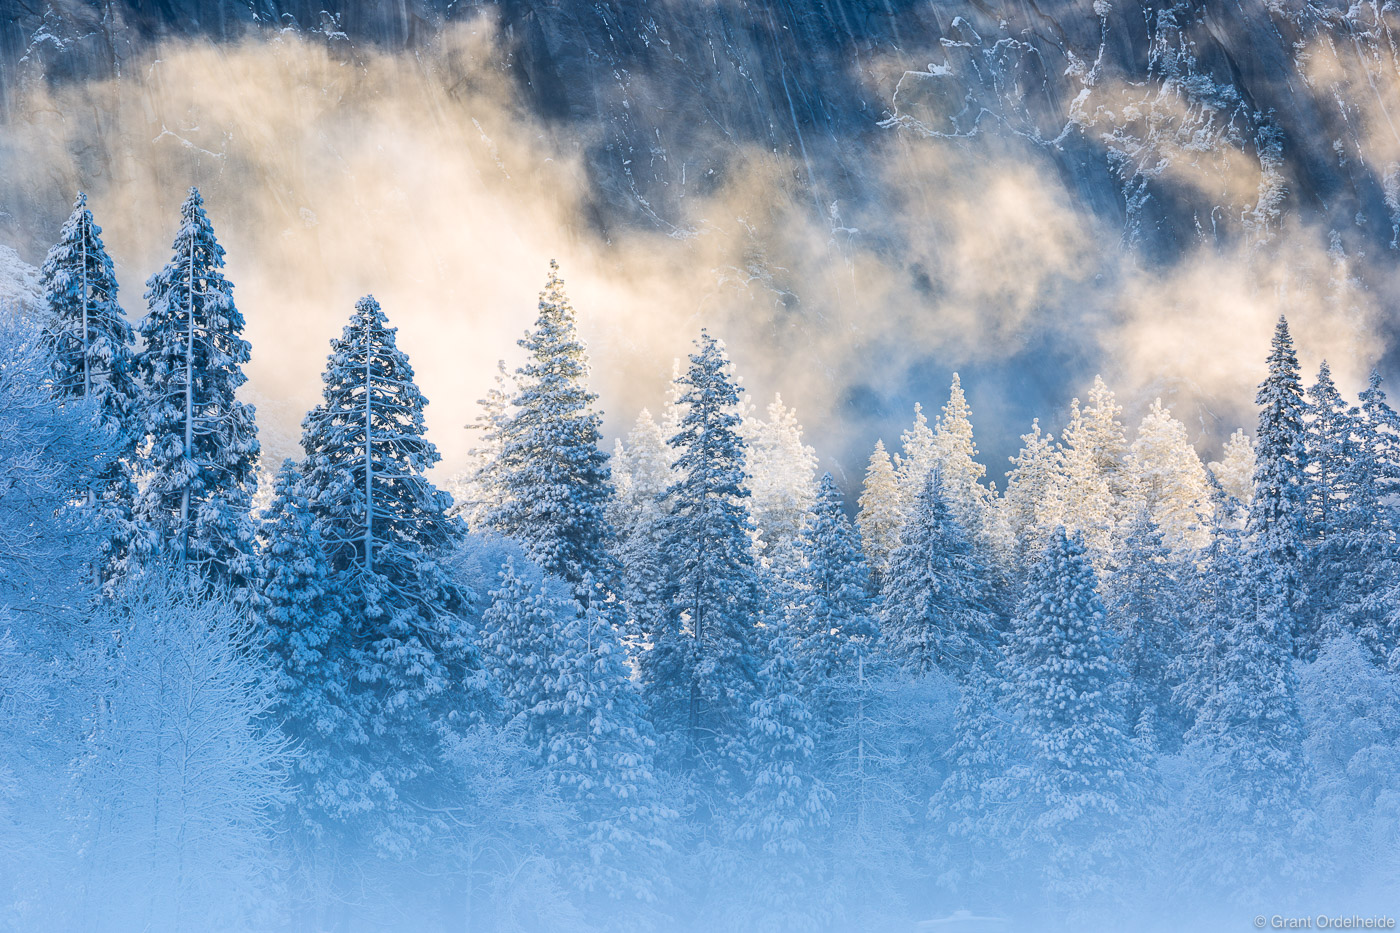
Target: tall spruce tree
column 519, row 640
column 1332, row 436
column 881, row 511
column 1367, row 552
column 200, row 463
column 642, row 468
column 566, row 683
column 786, row 804
column 1094, row 487
column 1085, row 782
column 93, row 356
column 831, row 616
column 701, row 672
column 1174, row 485
column 555, row 480
column 1277, row 514
column 1246, row 815
column 1021, row 532
column 781, row 472
column 304, row 633
column 1144, row 604
column 1235, row 469
column 962, row 475
column 937, row 608
column 413, row 667
column 600, row 751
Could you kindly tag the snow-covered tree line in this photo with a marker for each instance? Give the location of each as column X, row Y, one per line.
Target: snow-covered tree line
column 674, row 687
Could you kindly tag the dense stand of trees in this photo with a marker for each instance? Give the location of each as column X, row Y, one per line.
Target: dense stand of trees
column 678, row 687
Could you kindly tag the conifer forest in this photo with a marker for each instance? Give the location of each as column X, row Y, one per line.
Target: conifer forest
column 697, row 604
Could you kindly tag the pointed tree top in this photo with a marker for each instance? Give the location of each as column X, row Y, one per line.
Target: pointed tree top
column 79, row 202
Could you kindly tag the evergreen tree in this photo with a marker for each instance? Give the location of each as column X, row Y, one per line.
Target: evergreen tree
column 1329, row 437
column 566, row 684
column 201, row 458
column 477, row 488
column 1144, row 604
column 1277, row 512
column 1332, row 436
column 1094, row 486
column 642, row 471
column 937, row 608
column 413, row 667
column 304, row 633
column 831, row 618
column 93, row 346
column 520, row 639
column 1235, row 470
column 786, row 803
column 555, row 480
column 600, row 750
column 1217, row 592
column 782, row 483
column 1174, row 484
column 918, row 455
column 1381, row 436
column 1021, row 530
column 977, row 851
column 700, row 673
column 1084, row 784
column 962, row 475
column 881, row 513
column 1367, row 556
column 1246, row 816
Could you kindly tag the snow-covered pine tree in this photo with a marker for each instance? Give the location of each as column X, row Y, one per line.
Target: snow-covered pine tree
column 200, row 462
column 937, row 607
column 1235, row 469
column 962, row 475
column 566, row 684
column 1094, row 485
column 519, row 640
column 881, row 512
column 304, row 634
column 700, row 673
column 1084, row 786
column 1277, row 513
column 477, row 489
column 1145, row 606
column 1174, row 484
column 413, row 667
column 1368, row 561
column 642, row 475
column 1021, row 533
column 600, row 750
column 1382, row 435
column 782, row 482
column 977, row 851
column 1332, row 433
column 1246, row 822
column 831, row 619
column 786, row 804
column 918, row 454
column 1218, row 590
column 1329, row 436
column 555, row 480
column 93, row 349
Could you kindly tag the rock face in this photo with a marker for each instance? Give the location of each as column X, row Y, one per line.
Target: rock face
column 1119, row 95
column 1179, row 128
